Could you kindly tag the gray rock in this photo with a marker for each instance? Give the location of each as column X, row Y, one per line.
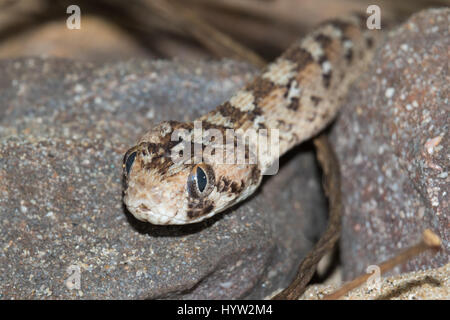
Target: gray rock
column 64, row 127
column 392, row 141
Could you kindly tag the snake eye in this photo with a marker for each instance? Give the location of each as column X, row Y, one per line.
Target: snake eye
column 129, row 160
column 200, row 181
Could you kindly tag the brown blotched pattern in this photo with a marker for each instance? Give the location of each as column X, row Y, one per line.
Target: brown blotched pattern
column 298, row 94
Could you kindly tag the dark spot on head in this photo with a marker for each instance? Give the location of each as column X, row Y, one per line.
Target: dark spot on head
column 208, row 209
column 161, row 163
column 325, row 115
column 322, row 59
column 193, row 214
column 143, row 207
column 294, row 104
column 311, row 117
column 234, row 187
column 326, row 79
column 261, row 125
column 291, row 83
column 153, row 148
column 199, row 209
column 348, row 52
column 255, row 174
column 349, row 55
column 227, row 185
column 224, row 184
column 315, row 100
column 295, row 137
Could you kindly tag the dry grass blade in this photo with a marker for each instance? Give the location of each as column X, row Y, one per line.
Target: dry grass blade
column 216, row 41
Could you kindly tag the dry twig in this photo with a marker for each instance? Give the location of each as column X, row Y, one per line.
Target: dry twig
column 429, row 241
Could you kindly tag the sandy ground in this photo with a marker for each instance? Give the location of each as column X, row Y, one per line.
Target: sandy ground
column 422, row 285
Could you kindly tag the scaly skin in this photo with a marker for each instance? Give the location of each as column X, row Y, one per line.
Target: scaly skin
column 298, row 94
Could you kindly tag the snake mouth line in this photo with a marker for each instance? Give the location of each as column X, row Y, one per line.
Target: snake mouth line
column 148, row 213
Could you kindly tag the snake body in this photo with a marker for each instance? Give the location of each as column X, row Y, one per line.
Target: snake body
column 298, row 94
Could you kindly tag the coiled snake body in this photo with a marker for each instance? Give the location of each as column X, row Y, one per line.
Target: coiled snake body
column 298, row 94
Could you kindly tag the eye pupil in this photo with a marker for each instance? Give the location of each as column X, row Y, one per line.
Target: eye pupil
column 129, row 162
column 201, row 179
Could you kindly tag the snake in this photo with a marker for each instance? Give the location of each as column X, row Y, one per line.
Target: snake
column 293, row 98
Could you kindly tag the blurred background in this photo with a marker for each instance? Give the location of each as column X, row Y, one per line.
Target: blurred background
column 187, row 29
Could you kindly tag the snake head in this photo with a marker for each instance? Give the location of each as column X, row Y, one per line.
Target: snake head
column 167, row 182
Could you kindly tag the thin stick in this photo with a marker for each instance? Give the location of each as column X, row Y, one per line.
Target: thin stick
column 429, row 241
column 331, row 173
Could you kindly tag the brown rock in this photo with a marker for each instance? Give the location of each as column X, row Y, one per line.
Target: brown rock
column 64, row 128
column 392, row 141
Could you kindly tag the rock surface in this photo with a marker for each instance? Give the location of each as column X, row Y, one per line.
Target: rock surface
column 64, row 127
column 392, row 141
